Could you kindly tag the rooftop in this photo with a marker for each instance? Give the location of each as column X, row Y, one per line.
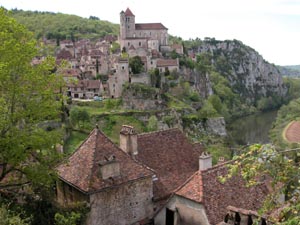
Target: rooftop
column 204, row 187
column 173, row 158
column 81, row 169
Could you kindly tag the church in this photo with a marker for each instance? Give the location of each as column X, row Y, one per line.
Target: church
column 152, row 36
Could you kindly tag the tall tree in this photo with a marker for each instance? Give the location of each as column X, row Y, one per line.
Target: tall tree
column 29, row 103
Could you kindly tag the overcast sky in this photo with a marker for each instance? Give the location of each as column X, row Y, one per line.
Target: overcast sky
column 272, row 27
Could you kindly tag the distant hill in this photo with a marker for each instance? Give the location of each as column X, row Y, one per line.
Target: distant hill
column 64, row 26
column 290, row 71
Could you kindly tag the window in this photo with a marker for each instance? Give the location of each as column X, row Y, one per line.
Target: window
column 140, row 44
column 123, row 67
column 128, row 43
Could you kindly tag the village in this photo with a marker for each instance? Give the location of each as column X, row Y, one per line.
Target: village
column 156, row 178
column 89, row 62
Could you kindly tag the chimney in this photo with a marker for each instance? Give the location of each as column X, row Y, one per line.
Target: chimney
column 205, row 161
column 128, row 140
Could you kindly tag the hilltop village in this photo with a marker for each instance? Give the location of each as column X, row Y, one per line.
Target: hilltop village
column 156, row 178
column 89, row 62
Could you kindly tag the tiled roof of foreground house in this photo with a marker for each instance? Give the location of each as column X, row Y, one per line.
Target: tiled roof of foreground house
column 204, row 187
column 173, row 158
column 81, row 169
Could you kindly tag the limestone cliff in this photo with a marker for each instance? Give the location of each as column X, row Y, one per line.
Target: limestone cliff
column 249, row 74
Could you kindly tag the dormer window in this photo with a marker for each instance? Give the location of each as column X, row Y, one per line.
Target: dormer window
column 109, row 167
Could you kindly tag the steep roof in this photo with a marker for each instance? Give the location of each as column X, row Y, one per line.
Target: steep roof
column 167, row 62
column 82, row 168
column 173, row 158
column 128, row 12
column 150, row 26
column 204, row 187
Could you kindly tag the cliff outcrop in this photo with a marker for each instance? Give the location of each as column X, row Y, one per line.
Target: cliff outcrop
column 249, row 74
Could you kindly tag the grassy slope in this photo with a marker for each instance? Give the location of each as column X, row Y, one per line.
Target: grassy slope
column 64, row 25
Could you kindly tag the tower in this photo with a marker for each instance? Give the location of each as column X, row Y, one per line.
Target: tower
column 127, row 24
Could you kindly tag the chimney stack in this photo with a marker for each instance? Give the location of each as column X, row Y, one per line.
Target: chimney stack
column 128, row 140
column 205, row 161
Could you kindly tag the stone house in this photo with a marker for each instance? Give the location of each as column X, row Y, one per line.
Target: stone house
column 170, row 154
column 117, row 188
column 203, row 199
column 167, row 65
column 118, row 77
column 85, row 89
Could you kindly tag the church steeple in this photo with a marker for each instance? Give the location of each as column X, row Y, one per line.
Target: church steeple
column 127, row 24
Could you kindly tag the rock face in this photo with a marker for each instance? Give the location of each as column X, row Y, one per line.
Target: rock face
column 249, row 74
column 142, row 97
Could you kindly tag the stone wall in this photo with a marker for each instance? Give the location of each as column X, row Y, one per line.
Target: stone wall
column 67, row 195
column 186, row 212
column 122, row 205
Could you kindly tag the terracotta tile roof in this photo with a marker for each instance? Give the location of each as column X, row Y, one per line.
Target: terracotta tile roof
column 173, row 158
column 71, row 73
column 167, row 62
column 95, row 84
column 81, row 169
column 131, row 47
column 204, row 187
column 150, row 26
column 64, row 54
column 128, row 12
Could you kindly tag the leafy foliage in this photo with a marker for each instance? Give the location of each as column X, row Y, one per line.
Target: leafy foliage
column 63, row 26
column 265, row 163
column 136, row 64
column 29, row 100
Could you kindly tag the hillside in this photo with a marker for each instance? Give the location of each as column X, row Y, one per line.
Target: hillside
column 252, row 80
column 290, row 71
column 63, row 26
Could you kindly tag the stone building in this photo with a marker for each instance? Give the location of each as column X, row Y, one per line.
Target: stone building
column 173, row 158
column 204, row 199
column 118, row 77
column 117, row 188
column 141, row 35
column 84, row 89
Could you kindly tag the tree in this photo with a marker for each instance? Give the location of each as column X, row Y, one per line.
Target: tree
column 79, row 116
column 279, row 168
column 29, row 103
column 136, row 64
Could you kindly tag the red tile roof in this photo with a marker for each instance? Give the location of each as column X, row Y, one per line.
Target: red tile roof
column 204, row 187
column 81, row 169
column 86, row 84
column 167, row 62
column 150, row 26
column 128, row 12
column 173, row 158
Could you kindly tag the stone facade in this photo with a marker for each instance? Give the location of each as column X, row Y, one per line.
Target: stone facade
column 127, row 204
column 118, row 189
column 141, row 35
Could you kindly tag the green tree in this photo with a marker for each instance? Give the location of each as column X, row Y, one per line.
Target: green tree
column 29, row 101
column 152, row 123
column 280, row 169
column 79, row 116
column 136, row 64
column 9, row 218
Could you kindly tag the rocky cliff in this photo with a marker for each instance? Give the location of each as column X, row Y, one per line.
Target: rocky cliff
column 249, row 74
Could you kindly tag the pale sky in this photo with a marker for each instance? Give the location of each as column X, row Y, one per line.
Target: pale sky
column 271, row 27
